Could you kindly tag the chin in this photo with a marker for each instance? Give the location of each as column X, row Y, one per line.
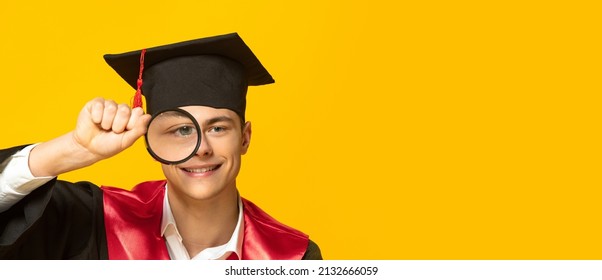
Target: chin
column 199, row 191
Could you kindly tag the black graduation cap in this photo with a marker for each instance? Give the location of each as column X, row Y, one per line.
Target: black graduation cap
column 213, row 71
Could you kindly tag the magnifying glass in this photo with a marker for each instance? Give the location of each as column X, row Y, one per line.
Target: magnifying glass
column 173, row 136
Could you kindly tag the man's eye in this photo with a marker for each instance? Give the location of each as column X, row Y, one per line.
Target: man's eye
column 217, row 129
column 184, row 131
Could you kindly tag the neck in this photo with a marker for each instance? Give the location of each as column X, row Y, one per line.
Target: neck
column 205, row 224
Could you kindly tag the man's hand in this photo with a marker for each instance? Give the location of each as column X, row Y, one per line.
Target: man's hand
column 103, row 130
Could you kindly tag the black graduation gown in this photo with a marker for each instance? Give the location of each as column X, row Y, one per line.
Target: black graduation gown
column 62, row 220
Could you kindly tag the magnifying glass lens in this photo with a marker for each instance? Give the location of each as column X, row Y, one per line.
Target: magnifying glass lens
column 173, row 136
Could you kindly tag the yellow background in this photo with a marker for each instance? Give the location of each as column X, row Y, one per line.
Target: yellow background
column 416, row 130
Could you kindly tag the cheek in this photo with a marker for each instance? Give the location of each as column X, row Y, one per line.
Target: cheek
column 168, row 171
column 229, row 148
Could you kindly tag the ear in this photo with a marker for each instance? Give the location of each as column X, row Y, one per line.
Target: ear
column 246, row 137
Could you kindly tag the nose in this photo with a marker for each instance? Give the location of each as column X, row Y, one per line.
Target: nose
column 205, row 148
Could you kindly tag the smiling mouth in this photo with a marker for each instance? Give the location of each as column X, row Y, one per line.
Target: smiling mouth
column 201, row 170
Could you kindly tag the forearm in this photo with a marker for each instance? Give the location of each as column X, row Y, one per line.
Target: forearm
column 58, row 156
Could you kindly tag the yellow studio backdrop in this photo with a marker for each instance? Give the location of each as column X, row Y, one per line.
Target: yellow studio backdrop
column 416, row 130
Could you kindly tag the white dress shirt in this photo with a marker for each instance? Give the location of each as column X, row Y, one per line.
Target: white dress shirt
column 176, row 248
column 16, row 181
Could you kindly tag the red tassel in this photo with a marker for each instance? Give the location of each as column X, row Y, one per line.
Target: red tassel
column 138, row 96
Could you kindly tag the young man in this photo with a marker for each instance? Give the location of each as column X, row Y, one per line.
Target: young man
column 195, row 93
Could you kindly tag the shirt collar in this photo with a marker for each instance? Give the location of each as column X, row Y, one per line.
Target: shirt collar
column 176, row 249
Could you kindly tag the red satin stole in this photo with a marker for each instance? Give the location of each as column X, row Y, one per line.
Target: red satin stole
column 133, row 227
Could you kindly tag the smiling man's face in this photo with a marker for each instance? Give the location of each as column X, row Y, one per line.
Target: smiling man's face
column 212, row 171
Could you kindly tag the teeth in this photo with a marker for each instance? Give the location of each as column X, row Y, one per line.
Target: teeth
column 200, row 170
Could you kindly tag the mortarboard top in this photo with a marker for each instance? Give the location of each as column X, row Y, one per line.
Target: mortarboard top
column 213, row 71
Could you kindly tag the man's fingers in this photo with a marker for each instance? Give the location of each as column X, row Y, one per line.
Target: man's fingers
column 96, row 109
column 110, row 109
column 111, row 116
column 122, row 118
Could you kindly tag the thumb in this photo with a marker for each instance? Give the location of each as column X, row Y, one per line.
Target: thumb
column 138, row 129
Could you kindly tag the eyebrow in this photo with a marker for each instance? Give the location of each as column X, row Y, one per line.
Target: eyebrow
column 218, row 119
column 172, row 114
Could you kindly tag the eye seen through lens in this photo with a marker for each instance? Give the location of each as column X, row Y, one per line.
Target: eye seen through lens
column 173, row 136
